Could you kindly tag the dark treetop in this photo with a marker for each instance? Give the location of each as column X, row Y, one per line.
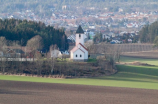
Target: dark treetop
column 23, row 30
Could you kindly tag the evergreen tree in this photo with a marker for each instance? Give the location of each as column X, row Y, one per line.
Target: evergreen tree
column 149, row 32
column 17, row 30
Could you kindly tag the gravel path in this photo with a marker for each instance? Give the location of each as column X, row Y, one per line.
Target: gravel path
column 44, row 93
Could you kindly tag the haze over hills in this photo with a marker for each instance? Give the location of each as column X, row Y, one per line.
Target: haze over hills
column 14, row 5
column 110, row 17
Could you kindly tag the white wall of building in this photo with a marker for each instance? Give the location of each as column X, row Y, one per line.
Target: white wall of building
column 92, row 27
column 86, row 52
column 79, row 49
column 79, row 39
column 79, row 52
column 78, row 55
column 71, row 55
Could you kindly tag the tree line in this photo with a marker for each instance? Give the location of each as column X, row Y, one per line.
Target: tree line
column 149, row 33
column 23, row 30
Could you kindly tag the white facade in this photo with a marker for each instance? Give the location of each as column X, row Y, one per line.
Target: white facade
column 79, row 39
column 78, row 55
column 79, row 52
column 92, row 27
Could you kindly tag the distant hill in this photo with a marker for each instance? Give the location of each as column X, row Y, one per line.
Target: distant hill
column 43, row 5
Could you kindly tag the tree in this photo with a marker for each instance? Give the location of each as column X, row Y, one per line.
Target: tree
column 53, row 59
column 39, row 63
column 111, row 52
column 34, row 44
column 17, row 61
column 17, row 30
column 3, row 43
column 90, row 46
column 98, row 38
column 156, row 42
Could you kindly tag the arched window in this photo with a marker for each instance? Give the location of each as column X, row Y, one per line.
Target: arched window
column 76, row 55
column 80, row 55
column 80, row 36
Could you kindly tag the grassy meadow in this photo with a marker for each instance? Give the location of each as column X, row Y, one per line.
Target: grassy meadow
column 132, row 59
column 145, row 77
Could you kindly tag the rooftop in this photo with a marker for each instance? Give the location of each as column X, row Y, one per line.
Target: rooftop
column 80, row 30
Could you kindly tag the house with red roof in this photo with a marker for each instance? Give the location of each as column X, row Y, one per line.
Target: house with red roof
column 79, row 52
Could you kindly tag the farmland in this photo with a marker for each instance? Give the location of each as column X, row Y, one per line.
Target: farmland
column 46, row 93
column 134, row 47
column 128, row 76
column 132, row 84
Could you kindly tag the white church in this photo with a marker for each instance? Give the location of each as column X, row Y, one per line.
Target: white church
column 79, row 52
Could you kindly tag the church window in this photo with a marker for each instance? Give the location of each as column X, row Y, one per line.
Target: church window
column 76, row 55
column 80, row 55
column 80, row 36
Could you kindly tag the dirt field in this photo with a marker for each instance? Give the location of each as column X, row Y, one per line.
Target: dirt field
column 42, row 93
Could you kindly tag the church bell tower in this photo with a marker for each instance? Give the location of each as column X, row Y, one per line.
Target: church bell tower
column 79, row 36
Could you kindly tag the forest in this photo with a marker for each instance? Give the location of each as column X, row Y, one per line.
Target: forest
column 149, row 32
column 23, row 30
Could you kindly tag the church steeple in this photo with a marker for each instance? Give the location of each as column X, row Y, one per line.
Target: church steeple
column 79, row 36
column 79, row 52
column 79, row 30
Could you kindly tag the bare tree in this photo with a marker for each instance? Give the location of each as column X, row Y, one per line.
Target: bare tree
column 53, row 57
column 111, row 53
column 39, row 62
column 35, row 43
column 3, row 43
column 92, row 49
column 90, row 46
column 14, row 59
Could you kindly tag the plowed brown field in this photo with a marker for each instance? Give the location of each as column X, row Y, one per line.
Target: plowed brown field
column 44, row 93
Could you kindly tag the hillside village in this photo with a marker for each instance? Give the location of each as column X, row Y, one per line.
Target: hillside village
column 113, row 27
column 117, row 27
column 79, row 51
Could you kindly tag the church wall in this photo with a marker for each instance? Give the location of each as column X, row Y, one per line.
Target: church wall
column 79, row 49
column 78, row 53
column 79, row 39
column 86, row 55
column 82, row 48
column 86, row 52
column 71, row 55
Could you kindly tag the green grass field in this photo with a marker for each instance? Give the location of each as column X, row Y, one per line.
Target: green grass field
column 128, row 76
column 149, row 61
